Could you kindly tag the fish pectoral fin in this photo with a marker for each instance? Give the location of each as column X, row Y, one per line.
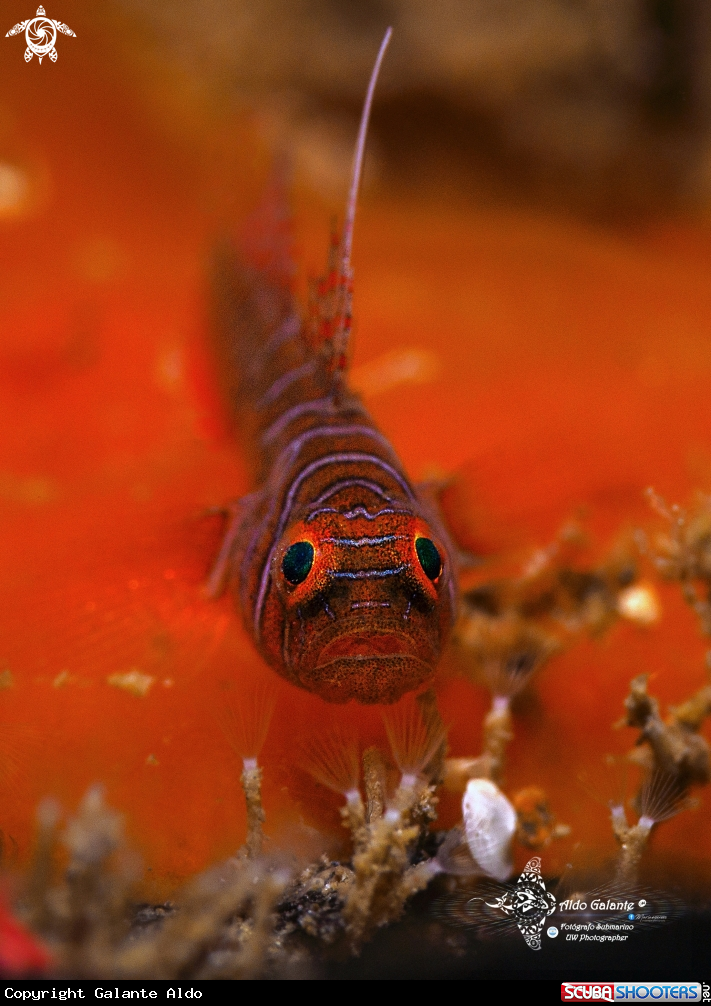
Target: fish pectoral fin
column 430, row 491
column 236, row 513
column 466, row 560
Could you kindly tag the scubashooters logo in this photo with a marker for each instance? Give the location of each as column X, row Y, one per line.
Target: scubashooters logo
column 631, row 991
column 40, row 35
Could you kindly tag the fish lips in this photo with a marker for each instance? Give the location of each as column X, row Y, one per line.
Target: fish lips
column 368, row 666
column 367, row 643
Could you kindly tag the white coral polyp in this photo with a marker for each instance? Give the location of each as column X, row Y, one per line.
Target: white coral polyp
column 489, row 826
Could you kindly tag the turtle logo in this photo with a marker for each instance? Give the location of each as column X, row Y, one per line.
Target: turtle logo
column 40, row 35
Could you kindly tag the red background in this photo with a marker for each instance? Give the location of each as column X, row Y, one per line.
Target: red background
column 574, row 371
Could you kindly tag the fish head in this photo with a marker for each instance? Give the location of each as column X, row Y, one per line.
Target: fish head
column 366, row 604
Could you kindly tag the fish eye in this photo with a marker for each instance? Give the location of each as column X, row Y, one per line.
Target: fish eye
column 297, row 562
column 429, row 557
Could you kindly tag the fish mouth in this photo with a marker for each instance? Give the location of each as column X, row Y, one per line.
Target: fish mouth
column 369, row 666
column 359, row 645
column 368, row 679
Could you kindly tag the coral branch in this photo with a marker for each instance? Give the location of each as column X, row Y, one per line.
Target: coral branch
column 633, row 841
column 383, row 877
column 683, row 552
column 673, row 757
column 498, row 734
column 374, row 780
column 675, row 746
column 251, row 782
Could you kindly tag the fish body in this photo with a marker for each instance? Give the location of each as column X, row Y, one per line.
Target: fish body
column 342, row 570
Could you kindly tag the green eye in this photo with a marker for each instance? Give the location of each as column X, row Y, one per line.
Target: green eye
column 296, row 564
column 429, row 557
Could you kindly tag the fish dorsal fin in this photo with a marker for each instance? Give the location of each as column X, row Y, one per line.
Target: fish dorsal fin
column 331, row 295
column 357, row 172
column 265, row 240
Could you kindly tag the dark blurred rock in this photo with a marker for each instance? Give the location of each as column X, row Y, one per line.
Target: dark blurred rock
column 603, row 104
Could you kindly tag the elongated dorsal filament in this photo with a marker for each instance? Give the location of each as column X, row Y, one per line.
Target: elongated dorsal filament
column 347, row 241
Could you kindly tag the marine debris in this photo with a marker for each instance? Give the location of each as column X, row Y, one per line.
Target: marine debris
column 489, row 827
